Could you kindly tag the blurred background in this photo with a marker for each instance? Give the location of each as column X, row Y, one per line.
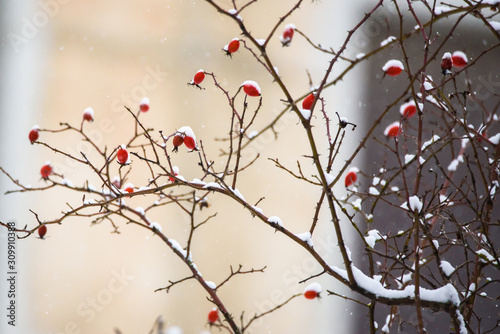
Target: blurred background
column 59, row 57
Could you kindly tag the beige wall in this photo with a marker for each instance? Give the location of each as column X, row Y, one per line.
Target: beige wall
column 99, row 51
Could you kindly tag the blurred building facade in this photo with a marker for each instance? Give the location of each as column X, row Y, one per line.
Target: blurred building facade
column 59, row 57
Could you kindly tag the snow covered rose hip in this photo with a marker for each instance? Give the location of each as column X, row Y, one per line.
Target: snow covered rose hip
column 446, row 63
column 251, row 88
column 351, row 177
column 286, row 37
column 312, row 291
column 188, row 137
column 144, row 105
column 198, row 78
column 88, row 114
column 459, row 59
column 392, row 130
column 34, row 134
column 232, row 47
column 393, row 67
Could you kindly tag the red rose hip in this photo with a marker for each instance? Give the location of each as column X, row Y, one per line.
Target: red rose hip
column 232, row 47
column 42, row 231
column 308, row 101
column 34, row 134
column 46, row 170
column 251, row 88
column 213, row 316
column 351, row 177
column 122, row 155
column 286, row 37
column 88, row 115
column 198, row 78
column 459, row 59
column 144, row 105
column 393, row 67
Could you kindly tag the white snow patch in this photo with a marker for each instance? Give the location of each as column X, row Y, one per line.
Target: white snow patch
column 253, row 134
column 415, row 203
column 356, row 204
column 140, row 210
column 329, row 178
column 177, row 247
column 495, row 25
column 452, row 167
column 392, row 63
column 187, row 131
column 213, row 185
column 460, row 54
column 306, row 237
column 373, row 237
column 409, row 158
column 444, row 294
column 438, row 10
column 198, row 181
column 490, row 2
column 495, row 139
column 486, row 257
column 306, row 113
column 155, row 226
column 259, row 210
column 238, row 194
column 315, row 286
column 251, row 83
column 89, row 111
column 447, row 268
column 431, row 141
column 373, row 191
column 67, row 182
column 211, row 285
column 387, row 40
column 234, row 12
column 275, row 220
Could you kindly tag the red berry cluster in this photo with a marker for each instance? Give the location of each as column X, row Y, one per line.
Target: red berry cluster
column 184, row 135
